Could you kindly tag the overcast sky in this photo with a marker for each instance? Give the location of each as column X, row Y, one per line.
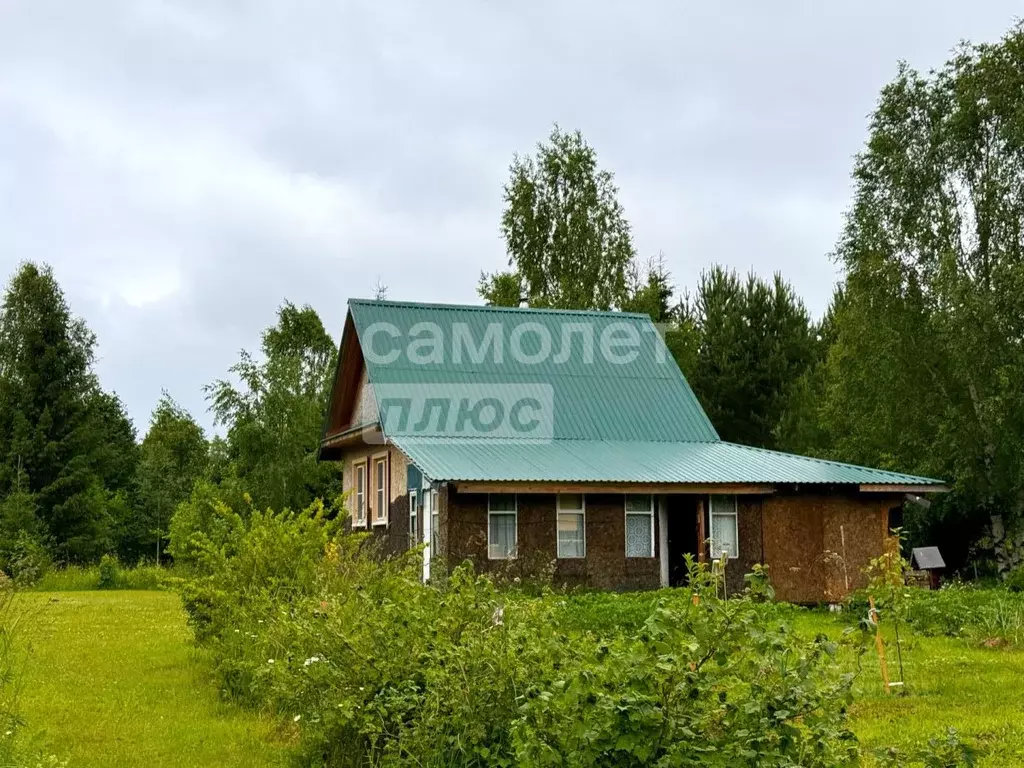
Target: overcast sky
column 185, row 166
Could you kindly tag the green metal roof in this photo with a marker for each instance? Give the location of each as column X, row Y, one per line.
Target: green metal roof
column 586, row 461
column 594, row 399
column 610, row 421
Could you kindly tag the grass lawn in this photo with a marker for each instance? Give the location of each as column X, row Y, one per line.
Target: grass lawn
column 949, row 682
column 112, row 679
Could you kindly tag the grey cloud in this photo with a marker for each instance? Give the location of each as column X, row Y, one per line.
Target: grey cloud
column 185, row 166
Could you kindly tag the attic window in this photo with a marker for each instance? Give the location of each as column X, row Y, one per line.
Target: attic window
column 360, row 483
column 380, row 488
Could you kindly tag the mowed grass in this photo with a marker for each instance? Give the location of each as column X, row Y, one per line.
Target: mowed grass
column 949, row 682
column 112, row 679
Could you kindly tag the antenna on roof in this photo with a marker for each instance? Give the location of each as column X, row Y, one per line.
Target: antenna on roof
column 380, row 291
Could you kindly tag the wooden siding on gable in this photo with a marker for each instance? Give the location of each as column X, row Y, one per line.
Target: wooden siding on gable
column 365, row 409
column 350, row 371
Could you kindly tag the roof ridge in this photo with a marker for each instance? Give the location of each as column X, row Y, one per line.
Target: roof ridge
column 588, row 440
column 487, row 308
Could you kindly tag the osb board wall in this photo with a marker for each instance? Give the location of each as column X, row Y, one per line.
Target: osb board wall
column 365, row 405
column 751, row 545
column 605, row 565
column 856, row 532
column 803, row 543
column 793, row 533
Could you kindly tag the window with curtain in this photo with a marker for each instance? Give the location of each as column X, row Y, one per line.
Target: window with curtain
column 414, row 528
column 724, row 527
column 639, row 525
column 501, row 525
column 360, row 494
column 571, row 524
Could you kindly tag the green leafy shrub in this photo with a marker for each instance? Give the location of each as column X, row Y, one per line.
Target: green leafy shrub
column 375, row 668
column 27, row 559
column 206, row 518
column 606, row 613
column 109, row 573
column 1015, row 580
column 949, row 751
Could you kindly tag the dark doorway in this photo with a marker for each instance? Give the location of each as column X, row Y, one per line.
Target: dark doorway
column 682, row 536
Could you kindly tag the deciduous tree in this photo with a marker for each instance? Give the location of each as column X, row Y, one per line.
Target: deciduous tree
column 568, row 241
column 274, row 411
column 926, row 371
column 173, row 457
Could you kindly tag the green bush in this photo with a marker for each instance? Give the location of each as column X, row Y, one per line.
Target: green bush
column 109, row 573
column 1015, row 580
column 204, row 519
column 375, row 668
column 946, row 752
column 26, row 560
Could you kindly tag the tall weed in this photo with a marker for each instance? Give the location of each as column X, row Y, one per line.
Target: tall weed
column 74, row 578
column 978, row 614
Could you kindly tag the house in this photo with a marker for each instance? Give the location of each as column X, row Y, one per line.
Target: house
column 521, row 437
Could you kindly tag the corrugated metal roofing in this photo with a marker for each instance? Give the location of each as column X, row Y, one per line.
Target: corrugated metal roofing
column 595, row 398
column 598, row 461
column 927, row 558
column 613, row 422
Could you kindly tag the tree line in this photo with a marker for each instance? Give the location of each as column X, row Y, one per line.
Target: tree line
column 75, row 481
column 915, row 366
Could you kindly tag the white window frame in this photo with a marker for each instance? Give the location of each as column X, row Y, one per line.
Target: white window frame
column 735, row 515
column 625, row 530
column 380, row 490
column 427, row 512
column 359, row 472
column 414, row 518
column 515, row 515
column 581, row 513
column 435, row 515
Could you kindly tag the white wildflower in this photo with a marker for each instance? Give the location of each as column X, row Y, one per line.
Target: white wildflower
column 311, row 660
column 296, row 718
column 270, row 661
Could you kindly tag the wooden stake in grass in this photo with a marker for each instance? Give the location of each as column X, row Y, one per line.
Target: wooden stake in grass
column 879, row 645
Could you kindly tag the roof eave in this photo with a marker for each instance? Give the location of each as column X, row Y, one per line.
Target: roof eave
column 332, row 445
column 904, row 488
column 575, row 486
